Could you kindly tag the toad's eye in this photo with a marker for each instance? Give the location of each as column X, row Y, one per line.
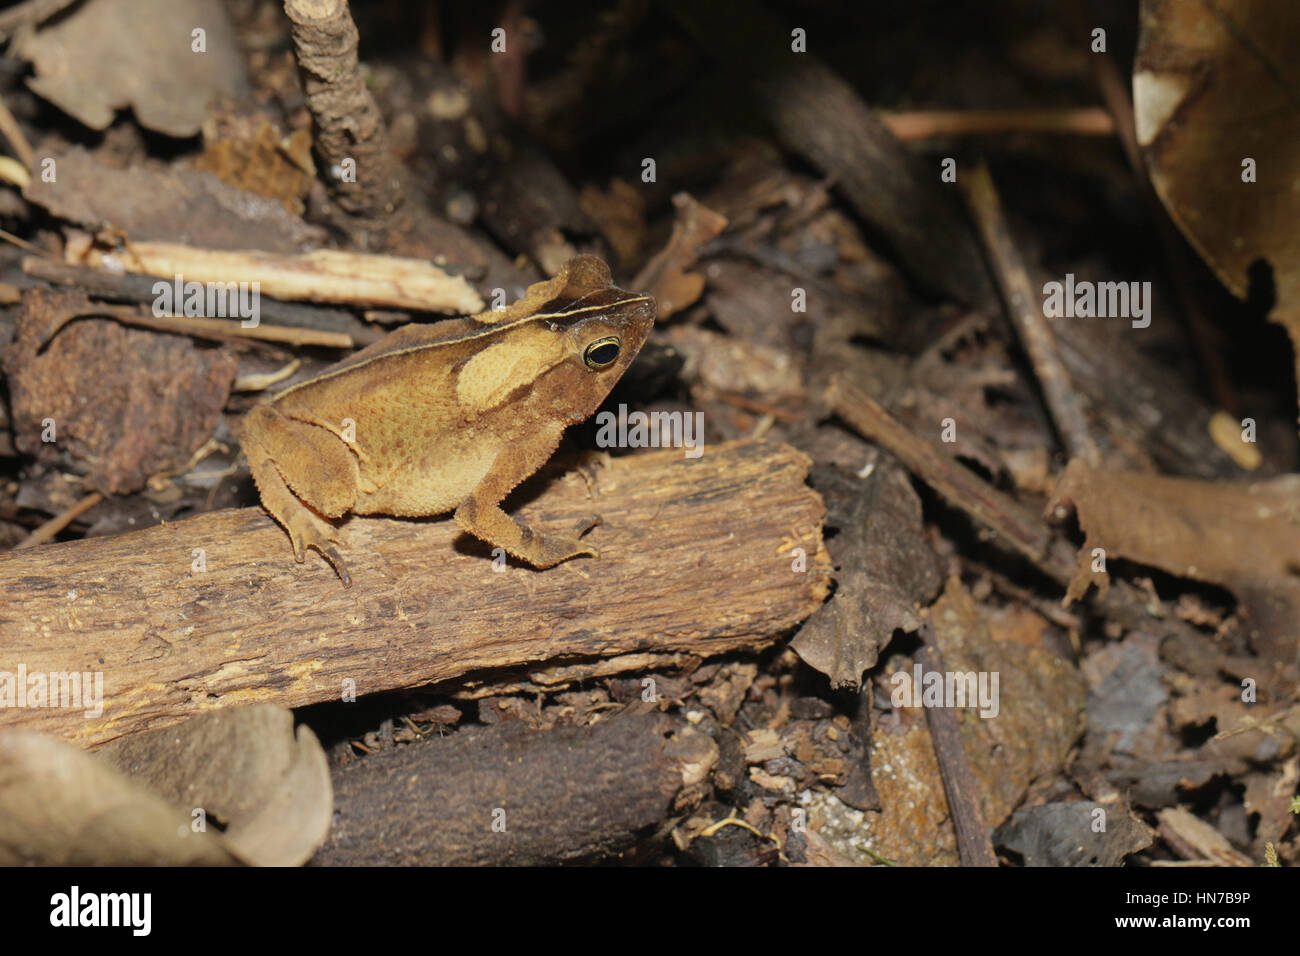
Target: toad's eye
column 601, row 353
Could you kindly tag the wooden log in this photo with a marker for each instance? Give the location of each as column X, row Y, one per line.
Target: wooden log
column 696, row 558
column 507, row 795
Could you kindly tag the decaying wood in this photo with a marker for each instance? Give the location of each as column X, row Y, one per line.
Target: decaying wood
column 697, row 556
column 504, row 794
column 325, row 275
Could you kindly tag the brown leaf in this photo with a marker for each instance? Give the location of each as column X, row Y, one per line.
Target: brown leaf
column 60, row 806
column 169, row 205
column 1040, row 714
column 619, row 214
column 132, row 803
column 1269, row 795
column 1245, row 537
column 1040, row 703
column 736, row 367
column 1194, row 839
column 886, row 569
column 1214, row 84
column 249, row 153
column 108, row 54
column 667, row 276
column 247, row 766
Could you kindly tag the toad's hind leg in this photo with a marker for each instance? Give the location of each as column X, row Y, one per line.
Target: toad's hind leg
column 302, row 471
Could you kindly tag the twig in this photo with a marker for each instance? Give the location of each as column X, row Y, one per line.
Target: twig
column 324, row 275
column 350, row 132
column 924, row 124
column 23, row 244
column 996, row 512
column 959, row 485
column 132, row 287
column 47, row 531
column 220, row 329
column 14, row 133
column 1027, row 317
column 974, row 844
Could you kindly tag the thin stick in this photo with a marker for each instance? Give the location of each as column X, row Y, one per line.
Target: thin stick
column 349, row 125
column 47, row 531
column 974, row 844
column 134, row 287
column 925, row 124
column 962, row 487
column 209, row 328
column 1027, row 316
column 23, row 244
column 14, row 133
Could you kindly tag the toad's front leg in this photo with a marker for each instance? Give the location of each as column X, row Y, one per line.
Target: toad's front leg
column 302, row 472
column 480, row 514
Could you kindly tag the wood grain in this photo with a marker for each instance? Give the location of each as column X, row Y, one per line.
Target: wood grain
column 696, row 559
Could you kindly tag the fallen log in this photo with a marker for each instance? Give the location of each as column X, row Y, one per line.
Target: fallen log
column 698, row 557
column 507, row 795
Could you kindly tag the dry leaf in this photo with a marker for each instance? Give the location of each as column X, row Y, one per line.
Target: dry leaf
column 1040, row 715
column 1040, row 701
column 247, row 766
column 60, row 806
column 1064, row 834
column 619, row 214
column 249, row 153
column 886, row 569
column 171, row 205
column 126, row 404
column 1245, row 537
column 133, row 802
column 1214, row 86
column 108, row 54
column 667, row 276
column 1194, row 839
